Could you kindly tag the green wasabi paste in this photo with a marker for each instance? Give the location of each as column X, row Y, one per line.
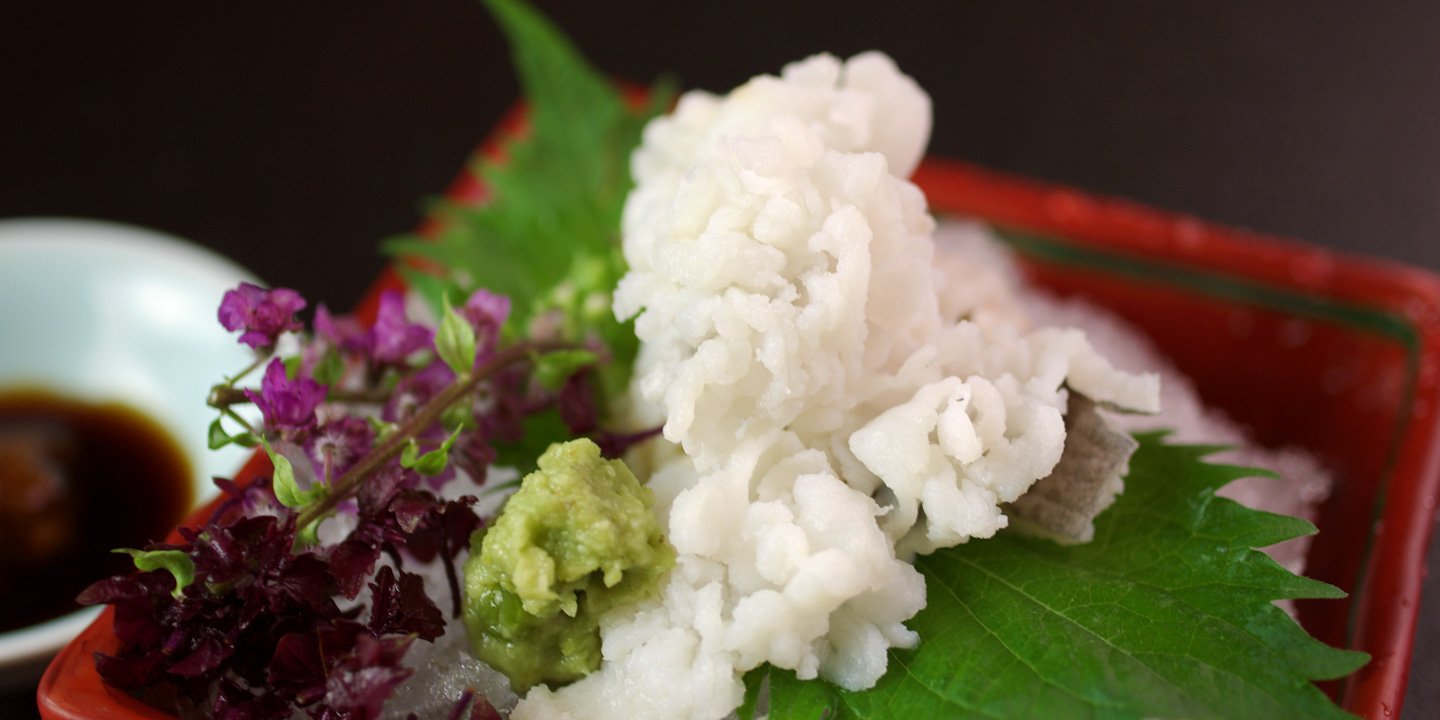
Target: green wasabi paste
column 578, row 538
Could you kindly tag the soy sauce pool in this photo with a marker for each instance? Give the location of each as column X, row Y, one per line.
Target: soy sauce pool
column 76, row 481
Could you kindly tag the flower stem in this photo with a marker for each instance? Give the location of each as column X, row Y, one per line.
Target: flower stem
column 363, row 397
column 224, row 395
column 348, row 483
column 243, row 422
column 260, row 359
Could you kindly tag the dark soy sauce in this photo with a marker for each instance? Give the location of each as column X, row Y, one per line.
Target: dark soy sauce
column 76, row 481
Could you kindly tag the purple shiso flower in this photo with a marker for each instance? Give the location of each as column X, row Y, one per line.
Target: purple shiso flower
column 394, row 338
column 415, row 390
column 261, row 314
column 339, row 443
column 286, row 404
column 487, row 313
column 341, row 331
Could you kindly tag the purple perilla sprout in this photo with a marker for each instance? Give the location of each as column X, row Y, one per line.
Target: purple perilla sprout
column 261, row 314
column 338, row 443
column 393, row 337
column 287, row 404
column 415, row 390
column 341, row 331
column 487, row 313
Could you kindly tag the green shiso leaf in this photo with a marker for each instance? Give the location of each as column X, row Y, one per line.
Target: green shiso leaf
column 287, row 489
column 1168, row 613
column 431, row 463
column 216, row 437
column 175, row 562
column 549, row 236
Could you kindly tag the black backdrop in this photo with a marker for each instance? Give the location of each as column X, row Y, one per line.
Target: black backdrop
column 292, row 136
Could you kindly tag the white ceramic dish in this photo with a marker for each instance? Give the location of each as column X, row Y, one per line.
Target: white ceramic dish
column 102, row 312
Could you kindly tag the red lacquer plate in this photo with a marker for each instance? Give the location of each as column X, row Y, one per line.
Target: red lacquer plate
column 1334, row 354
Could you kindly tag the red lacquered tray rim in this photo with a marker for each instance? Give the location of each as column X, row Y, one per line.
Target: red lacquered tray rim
column 71, row 689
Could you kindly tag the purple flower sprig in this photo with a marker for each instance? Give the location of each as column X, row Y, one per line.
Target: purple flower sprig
column 418, row 422
column 254, row 629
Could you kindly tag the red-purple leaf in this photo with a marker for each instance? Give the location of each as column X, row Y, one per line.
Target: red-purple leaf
column 400, row 606
column 360, row 683
column 207, row 655
column 129, row 672
column 351, row 562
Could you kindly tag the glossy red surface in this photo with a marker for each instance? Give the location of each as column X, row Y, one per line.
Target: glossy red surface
column 1335, row 354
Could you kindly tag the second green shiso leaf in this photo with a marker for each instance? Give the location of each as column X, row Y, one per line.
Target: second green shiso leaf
column 1167, row 613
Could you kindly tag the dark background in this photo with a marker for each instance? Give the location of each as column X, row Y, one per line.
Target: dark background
column 293, row 136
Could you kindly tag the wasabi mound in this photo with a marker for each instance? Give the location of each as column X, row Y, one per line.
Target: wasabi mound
column 578, row 538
